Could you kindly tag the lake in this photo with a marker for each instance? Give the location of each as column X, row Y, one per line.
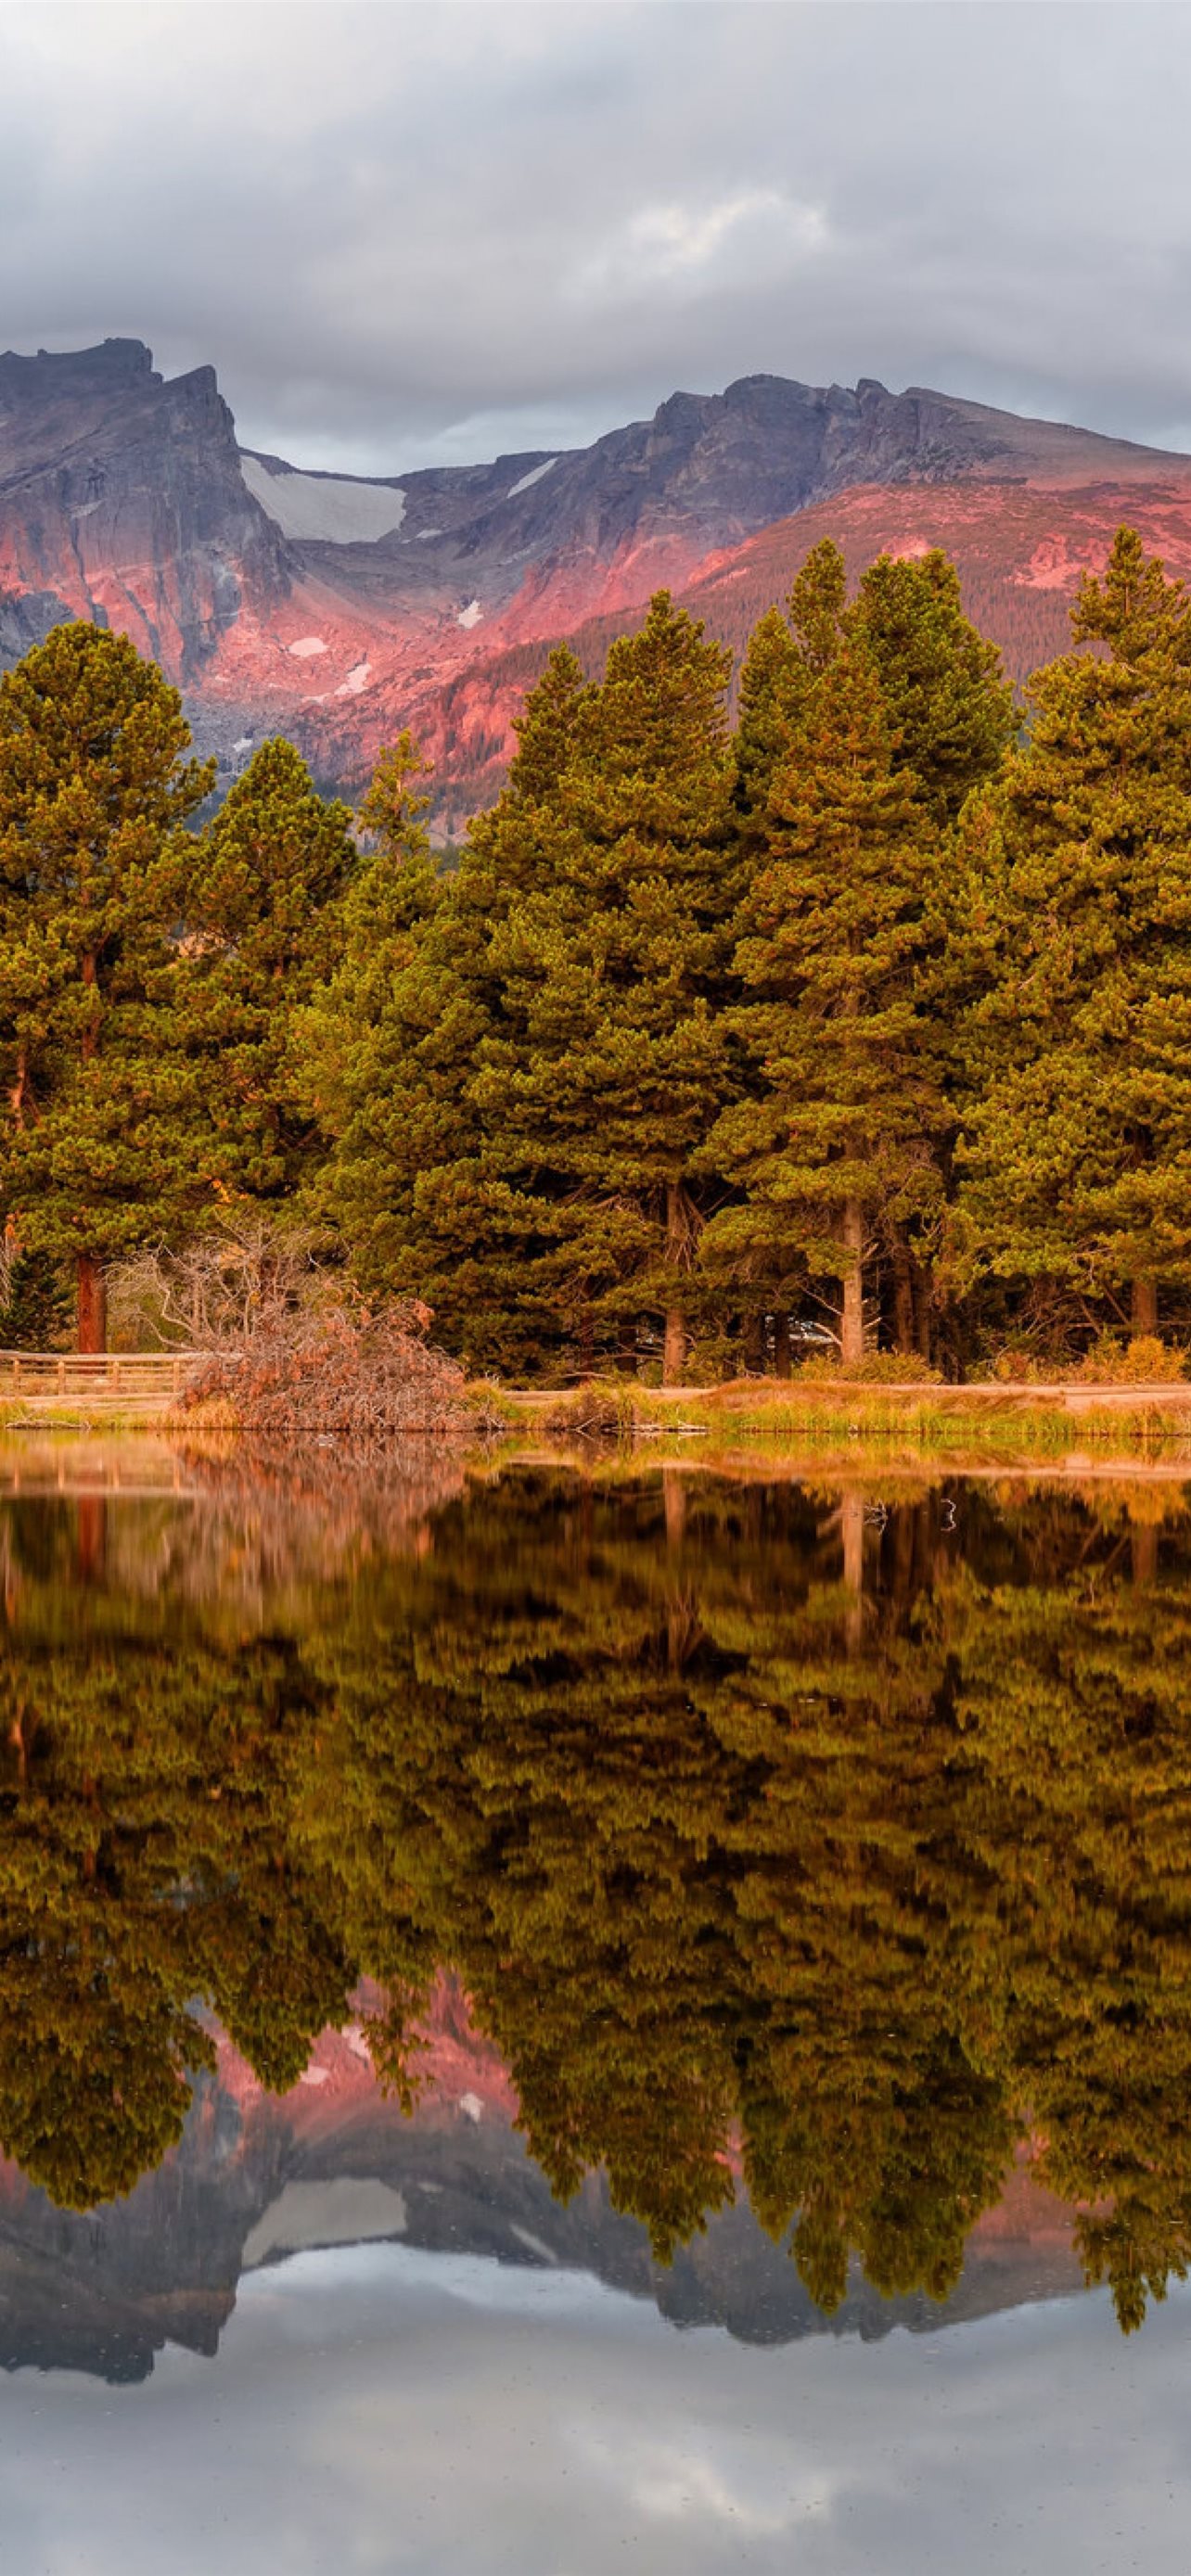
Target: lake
column 555, row 2019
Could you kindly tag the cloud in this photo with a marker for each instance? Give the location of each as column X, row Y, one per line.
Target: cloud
column 407, row 233
column 688, row 247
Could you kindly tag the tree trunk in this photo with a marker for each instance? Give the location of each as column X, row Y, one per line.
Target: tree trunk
column 674, row 1345
column 673, row 1348
column 1144, row 1312
column 752, row 1340
column 586, row 1341
column 1143, row 1549
column 626, row 1349
column 903, row 1300
column 921, row 1287
column 781, row 1345
column 852, row 1333
column 93, row 1304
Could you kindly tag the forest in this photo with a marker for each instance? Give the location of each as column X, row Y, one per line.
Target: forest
column 832, row 1012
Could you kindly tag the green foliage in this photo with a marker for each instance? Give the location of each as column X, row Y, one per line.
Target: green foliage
column 100, row 1145
column 263, row 931
column 834, row 1148
column 950, row 711
column 1077, row 936
column 36, row 1311
column 863, row 1005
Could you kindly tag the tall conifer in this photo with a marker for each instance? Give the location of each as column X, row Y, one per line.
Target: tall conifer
column 100, row 1141
column 608, row 1061
column 834, row 1149
column 263, row 917
column 388, row 1052
column 950, row 708
column 1077, row 1147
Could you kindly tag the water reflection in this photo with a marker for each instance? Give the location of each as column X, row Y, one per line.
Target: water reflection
column 836, row 1846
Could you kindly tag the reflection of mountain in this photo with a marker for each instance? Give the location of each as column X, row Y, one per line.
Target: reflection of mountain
column 336, row 2162
column 337, row 608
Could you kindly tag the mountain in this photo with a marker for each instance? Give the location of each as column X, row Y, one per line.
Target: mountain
column 338, row 607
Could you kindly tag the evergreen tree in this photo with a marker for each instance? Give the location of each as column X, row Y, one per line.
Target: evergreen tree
column 386, row 1055
column 98, row 1150
column 36, row 1312
column 607, row 1059
column 836, row 1147
column 263, row 919
column 950, row 710
column 1077, row 1147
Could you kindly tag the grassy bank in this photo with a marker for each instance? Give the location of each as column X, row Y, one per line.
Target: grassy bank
column 977, row 1423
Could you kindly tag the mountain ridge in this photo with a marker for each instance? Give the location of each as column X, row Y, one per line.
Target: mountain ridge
column 337, row 607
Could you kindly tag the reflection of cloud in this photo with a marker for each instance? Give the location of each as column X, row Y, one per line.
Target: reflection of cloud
column 422, row 2415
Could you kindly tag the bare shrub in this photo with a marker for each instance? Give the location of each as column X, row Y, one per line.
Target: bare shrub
column 330, row 1371
column 224, row 1290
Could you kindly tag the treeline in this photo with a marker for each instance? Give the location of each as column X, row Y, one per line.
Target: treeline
column 867, row 1017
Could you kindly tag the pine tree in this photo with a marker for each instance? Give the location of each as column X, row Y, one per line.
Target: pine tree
column 36, row 1312
column 1077, row 1147
column 98, row 1147
column 385, row 1055
column 607, row 1061
column 950, row 709
column 835, row 1147
column 264, row 929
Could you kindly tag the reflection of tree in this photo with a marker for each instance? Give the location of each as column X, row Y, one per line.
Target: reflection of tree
column 142, row 1802
column 711, row 1855
column 755, row 1828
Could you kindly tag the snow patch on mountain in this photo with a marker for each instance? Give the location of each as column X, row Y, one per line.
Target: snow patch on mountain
column 306, row 647
column 528, row 480
column 321, row 506
column 469, row 616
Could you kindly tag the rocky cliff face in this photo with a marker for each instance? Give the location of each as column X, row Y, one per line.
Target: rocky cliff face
column 337, row 608
column 122, row 500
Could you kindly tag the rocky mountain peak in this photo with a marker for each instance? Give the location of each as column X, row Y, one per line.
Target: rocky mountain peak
column 337, row 608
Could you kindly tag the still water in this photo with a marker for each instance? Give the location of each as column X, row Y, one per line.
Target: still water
column 557, row 2021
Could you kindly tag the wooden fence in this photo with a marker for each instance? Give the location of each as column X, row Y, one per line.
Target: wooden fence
column 110, row 1378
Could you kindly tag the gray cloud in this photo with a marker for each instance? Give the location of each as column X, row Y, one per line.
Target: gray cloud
column 409, row 233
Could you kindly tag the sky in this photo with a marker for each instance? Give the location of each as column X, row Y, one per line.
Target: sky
column 382, row 2412
column 433, row 233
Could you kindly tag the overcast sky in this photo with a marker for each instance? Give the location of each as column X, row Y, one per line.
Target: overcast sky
column 415, row 233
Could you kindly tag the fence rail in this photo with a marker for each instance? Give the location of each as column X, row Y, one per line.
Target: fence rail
column 111, row 1376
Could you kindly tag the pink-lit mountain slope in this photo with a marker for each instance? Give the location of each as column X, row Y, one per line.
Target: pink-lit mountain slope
column 1020, row 550
column 337, row 608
